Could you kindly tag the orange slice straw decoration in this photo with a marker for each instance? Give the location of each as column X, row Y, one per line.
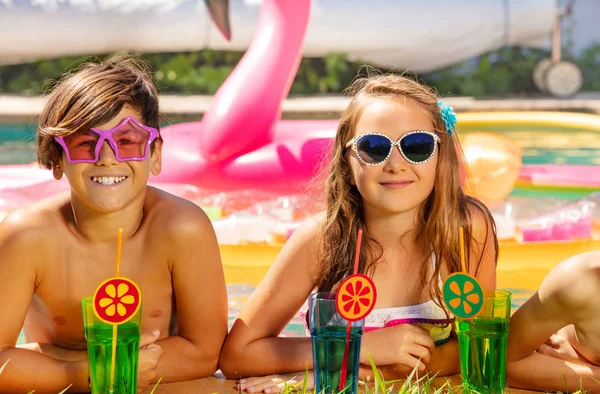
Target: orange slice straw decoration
column 462, row 292
column 115, row 326
column 344, row 370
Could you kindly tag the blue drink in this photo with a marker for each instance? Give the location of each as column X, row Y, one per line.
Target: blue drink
column 328, row 332
column 328, row 345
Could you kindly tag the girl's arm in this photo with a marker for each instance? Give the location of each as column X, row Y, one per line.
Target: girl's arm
column 253, row 347
column 443, row 362
column 444, row 359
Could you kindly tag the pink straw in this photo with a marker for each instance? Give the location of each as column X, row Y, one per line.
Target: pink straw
column 344, row 370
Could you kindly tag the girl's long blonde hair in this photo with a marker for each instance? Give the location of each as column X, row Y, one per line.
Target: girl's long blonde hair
column 439, row 216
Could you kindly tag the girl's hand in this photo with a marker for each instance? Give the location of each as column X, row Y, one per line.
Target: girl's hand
column 405, row 345
column 276, row 383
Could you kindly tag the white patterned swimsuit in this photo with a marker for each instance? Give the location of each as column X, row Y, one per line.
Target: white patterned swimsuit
column 428, row 315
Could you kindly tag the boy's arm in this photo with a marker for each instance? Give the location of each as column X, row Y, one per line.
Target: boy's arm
column 55, row 352
column 567, row 295
column 201, row 297
column 26, row 370
column 531, row 325
column 562, row 299
column 544, row 373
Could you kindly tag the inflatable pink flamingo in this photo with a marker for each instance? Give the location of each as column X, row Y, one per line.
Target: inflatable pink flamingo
column 241, row 143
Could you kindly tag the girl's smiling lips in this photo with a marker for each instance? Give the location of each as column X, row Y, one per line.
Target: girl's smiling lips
column 396, row 184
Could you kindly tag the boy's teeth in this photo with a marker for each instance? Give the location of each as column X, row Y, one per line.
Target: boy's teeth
column 108, row 180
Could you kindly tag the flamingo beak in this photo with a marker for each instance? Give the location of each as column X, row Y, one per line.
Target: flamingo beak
column 219, row 12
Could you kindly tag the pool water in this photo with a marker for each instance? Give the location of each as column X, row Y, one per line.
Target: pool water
column 17, row 143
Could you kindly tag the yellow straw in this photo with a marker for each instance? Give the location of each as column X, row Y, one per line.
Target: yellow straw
column 119, row 246
column 114, row 338
column 462, row 250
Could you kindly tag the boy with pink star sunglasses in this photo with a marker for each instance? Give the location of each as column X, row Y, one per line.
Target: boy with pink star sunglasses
column 100, row 129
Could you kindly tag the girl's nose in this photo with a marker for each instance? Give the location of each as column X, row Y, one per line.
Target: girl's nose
column 396, row 162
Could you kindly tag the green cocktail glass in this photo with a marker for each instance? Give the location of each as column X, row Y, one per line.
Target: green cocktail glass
column 482, row 344
column 99, row 336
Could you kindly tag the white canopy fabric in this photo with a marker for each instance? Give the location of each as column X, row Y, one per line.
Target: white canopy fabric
column 420, row 35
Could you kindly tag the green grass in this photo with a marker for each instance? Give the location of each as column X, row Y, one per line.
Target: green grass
column 410, row 385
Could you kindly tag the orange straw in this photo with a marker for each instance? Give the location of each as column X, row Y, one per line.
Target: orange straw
column 114, row 338
column 462, row 250
column 119, row 247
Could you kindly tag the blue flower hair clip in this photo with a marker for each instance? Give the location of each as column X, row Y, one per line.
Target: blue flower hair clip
column 448, row 116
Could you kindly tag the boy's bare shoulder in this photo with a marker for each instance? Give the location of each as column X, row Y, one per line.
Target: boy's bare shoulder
column 28, row 234
column 34, row 220
column 174, row 216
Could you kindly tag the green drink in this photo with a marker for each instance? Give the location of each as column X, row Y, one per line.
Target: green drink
column 99, row 336
column 482, row 345
column 328, row 345
column 99, row 339
column 482, row 350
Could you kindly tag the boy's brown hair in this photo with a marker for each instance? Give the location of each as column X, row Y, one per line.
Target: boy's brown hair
column 93, row 95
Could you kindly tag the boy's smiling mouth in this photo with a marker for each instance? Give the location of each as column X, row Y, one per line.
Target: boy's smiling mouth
column 108, row 180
